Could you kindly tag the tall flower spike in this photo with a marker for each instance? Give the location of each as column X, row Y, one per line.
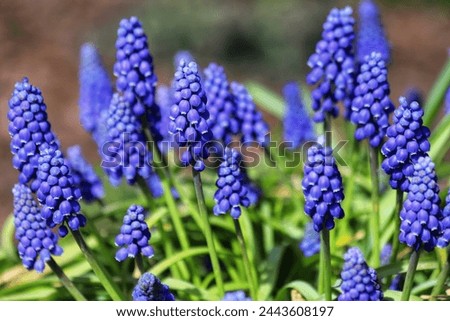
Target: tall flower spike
column 359, row 281
column 371, row 36
column 222, row 109
column 407, row 141
column 297, row 125
column 231, row 193
column 84, row 176
column 36, row 242
column 29, row 129
column 444, row 240
column 322, row 187
column 95, row 88
column 150, row 288
column 421, row 216
column 253, row 128
column 332, row 65
column 236, row 296
column 134, row 66
column 134, row 235
column 371, row 105
column 310, row 244
column 125, row 131
column 189, row 115
column 58, row 194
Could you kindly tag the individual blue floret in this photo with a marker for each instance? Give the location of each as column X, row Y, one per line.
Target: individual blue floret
column 36, row 242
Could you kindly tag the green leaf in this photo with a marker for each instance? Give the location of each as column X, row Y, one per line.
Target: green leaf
column 436, row 96
column 269, row 272
column 7, row 239
column 402, row 267
column 189, row 288
column 30, row 294
column 391, row 295
column 305, row 289
column 439, row 145
column 266, row 99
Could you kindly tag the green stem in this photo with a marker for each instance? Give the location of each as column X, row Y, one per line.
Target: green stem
column 140, row 263
column 105, row 279
column 325, row 262
column 409, row 280
column 436, row 96
column 375, row 217
column 207, row 231
column 440, row 282
column 251, row 279
column 73, row 290
column 395, row 240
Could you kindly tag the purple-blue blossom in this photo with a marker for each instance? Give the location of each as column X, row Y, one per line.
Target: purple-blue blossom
column 407, row 141
column 182, row 55
column 297, row 125
column 371, row 36
column 150, row 288
column 134, row 236
column 29, row 129
column 371, row 105
column 310, row 243
column 414, row 94
column 236, row 296
column 322, row 187
column 36, row 242
column 189, row 116
column 84, row 176
column 231, row 191
column 444, row 240
column 359, row 281
column 332, row 65
column 58, row 194
column 95, row 88
column 252, row 126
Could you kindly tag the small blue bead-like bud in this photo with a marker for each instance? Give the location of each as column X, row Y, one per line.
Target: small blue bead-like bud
column 134, row 236
column 310, row 244
column 95, row 88
column 29, row 129
column 84, row 176
column 414, row 94
column 231, row 191
column 421, row 216
column 359, row 281
column 332, row 65
column 371, row 105
column 150, row 288
column 322, row 187
column 407, row 141
column 36, row 242
column 297, row 125
column 57, row 193
column 182, row 55
column 222, row 109
column 253, row 128
column 189, row 115
column 371, row 36
column 236, row 296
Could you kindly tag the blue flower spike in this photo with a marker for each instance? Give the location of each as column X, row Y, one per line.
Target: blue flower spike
column 150, row 288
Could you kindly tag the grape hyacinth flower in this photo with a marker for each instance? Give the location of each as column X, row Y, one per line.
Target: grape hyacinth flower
column 414, row 94
column 84, row 176
column 222, row 110
column 371, row 36
column 95, row 88
column 57, row 193
column 36, row 242
column 445, row 223
column 182, row 55
column 189, row 115
column 253, row 128
column 164, row 99
column 359, row 281
column 29, row 129
column 322, row 187
column 150, row 288
column 134, row 235
column 371, row 105
column 421, row 216
column 296, row 123
column 332, row 65
column 407, row 141
column 125, row 131
column 231, row 193
column 310, row 244
column 236, row 296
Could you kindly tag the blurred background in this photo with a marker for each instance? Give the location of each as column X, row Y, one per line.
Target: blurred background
column 261, row 40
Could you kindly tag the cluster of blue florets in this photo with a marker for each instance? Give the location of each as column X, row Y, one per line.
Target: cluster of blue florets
column 150, row 288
